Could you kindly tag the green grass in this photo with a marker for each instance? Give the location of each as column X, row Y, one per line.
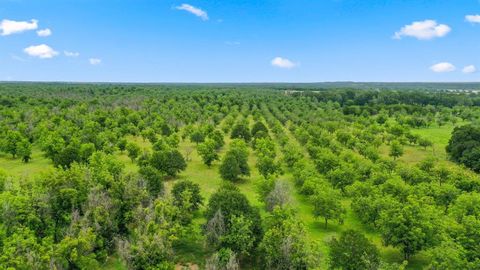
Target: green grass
column 17, row 168
column 439, row 135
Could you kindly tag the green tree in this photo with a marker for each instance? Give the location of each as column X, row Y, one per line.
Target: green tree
column 133, row 150
column 353, row 251
column 240, row 237
column 150, row 135
column 464, row 146
column 183, row 186
column 24, row 150
column 217, row 137
column 446, row 256
column 86, row 150
column 444, row 195
column 267, row 166
column 328, row 205
column 369, row 208
column 291, row 155
column 226, row 203
column 265, row 147
column 150, row 244
column 169, row 162
column 257, row 128
column 285, row 244
column 342, row 177
column 423, row 142
column 208, row 152
column 241, row 131
column 77, row 251
column 412, row 227
column 235, row 162
column 396, row 150
column 9, row 144
column 68, row 155
column 468, row 236
column 52, row 144
column 23, row 244
column 467, row 204
column 154, row 180
column 197, row 136
column 122, row 144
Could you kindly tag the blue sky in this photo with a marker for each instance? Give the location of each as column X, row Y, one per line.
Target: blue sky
column 240, row 41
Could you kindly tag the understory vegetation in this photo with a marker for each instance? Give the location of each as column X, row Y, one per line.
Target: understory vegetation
column 237, row 177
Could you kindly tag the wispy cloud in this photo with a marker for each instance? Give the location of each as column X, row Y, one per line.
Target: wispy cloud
column 473, row 18
column 194, row 10
column 443, row 67
column 95, row 61
column 44, row 32
column 423, row 30
column 41, row 51
column 283, row 63
column 9, row 27
column 71, row 54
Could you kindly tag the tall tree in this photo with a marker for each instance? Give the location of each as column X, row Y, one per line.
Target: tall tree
column 285, row 245
column 328, row 205
column 24, row 150
column 241, row 131
column 353, row 251
column 208, row 151
column 235, row 162
column 170, row 162
column 412, row 227
column 396, row 150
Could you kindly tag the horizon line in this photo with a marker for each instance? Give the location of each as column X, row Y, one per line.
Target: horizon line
column 259, row 82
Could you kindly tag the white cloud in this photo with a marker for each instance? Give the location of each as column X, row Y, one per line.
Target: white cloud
column 469, row 69
column 9, row 27
column 44, row 32
column 41, row 51
column 283, row 63
column 195, row 11
column 423, row 30
column 94, row 61
column 71, row 54
column 443, row 67
column 473, row 18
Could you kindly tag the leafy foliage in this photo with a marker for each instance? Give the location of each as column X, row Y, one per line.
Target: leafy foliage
column 464, row 146
column 353, row 251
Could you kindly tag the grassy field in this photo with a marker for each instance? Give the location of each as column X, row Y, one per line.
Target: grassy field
column 439, row 136
column 192, row 250
column 16, row 167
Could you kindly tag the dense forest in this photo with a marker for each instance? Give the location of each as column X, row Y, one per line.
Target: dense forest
column 224, row 177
